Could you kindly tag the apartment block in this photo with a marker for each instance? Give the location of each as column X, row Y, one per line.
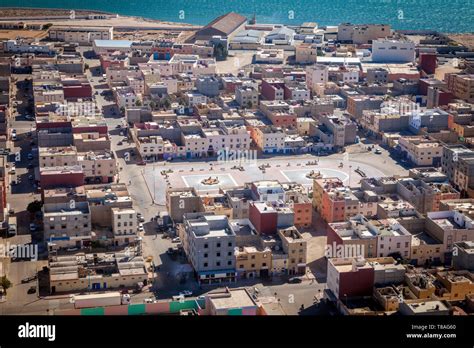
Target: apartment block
column 295, row 246
column 67, row 224
column 209, row 245
column 316, row 75
column 362, row 33
column 350, row 277
column 181, row 201
column 421, row 151
column 247, row 97
column 124, row 225
column 461, row 85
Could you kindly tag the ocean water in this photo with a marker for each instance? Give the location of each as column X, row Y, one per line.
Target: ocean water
column 441, row 15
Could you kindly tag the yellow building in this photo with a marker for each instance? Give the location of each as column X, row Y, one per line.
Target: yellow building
column 421, row 151
column 252, row 262
column 456, row 285
column 296, row 248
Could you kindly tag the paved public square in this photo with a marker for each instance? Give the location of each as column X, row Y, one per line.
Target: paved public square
column 162, row 175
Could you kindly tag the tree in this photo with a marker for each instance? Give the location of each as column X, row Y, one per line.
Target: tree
column 34, row 206
column 166, row 103
column 138, row 102
column 5, row 283
column 249, row 105
column 220, row 52
column 86, row 66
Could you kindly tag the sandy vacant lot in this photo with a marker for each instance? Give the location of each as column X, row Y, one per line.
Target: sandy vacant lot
column 464, row 39
column 13, row 34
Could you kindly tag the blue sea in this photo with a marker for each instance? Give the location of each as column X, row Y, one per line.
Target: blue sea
column 441, row 15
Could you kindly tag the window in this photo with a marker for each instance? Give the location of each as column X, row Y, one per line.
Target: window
column 218, row 245
column 205, row 264
column 205, row 255
column 218, row 263
column 206, row 246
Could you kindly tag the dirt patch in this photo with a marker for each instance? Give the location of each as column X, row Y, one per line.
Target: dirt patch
column 30, row 34
column 33, row 12
column 463, row 39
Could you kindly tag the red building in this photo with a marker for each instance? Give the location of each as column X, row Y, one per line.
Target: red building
column 428, row 62
column 350, row 277
column 82, row 90
column 273, row 89
column 263, row 217
column 66, row 177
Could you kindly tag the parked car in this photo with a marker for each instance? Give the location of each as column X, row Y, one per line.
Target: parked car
column 140, row 227
column 294, row 280
column 120, row 143
column 176, row 240
column 141, row 219
column 12, row 170
column 378, row 152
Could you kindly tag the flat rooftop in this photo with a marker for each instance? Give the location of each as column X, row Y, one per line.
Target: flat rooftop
column 234, row 298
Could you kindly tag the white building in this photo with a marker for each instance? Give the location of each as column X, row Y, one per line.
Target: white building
column 246, row 96
column 193, row 98
column 126, row 97
column 227, row 138
column 393, row 51
column 393, row 238
column 299, row 93
column 20, row 46
column 124, row 225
